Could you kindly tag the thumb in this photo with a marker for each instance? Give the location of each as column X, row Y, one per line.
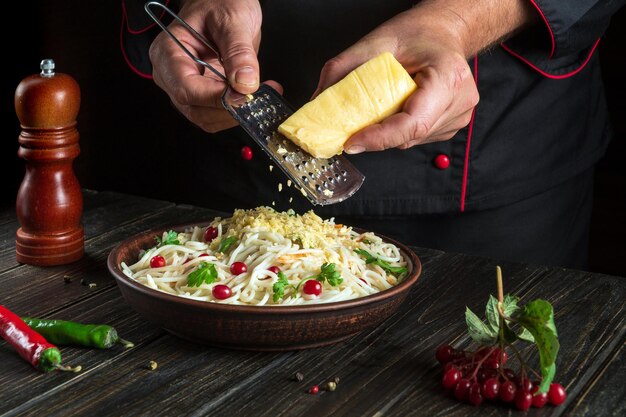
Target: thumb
column 239, row 58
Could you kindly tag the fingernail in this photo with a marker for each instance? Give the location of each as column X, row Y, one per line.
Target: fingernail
column 355, row 149
column 246, row 76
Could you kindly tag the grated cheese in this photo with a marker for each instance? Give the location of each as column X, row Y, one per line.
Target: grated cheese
column 307, row 230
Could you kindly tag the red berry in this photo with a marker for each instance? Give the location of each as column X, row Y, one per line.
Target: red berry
column 312, row 287
column 451, row 378
column 525, row 384
column 485, row 374
column 238, row 268
column 510, row 374
column 523, row 400
column 274, row 269
column 210, row 233
column 221, row 292
column 507, row 391
column 445, row 353
column 461, row 389
column 448, row 366
column 157, row 261
column 490, row 388
column 499, row 355
column 314, row 389
column 246, row 153
column 556, row 394
column 539, row 398
column 491, row 363
column 473, row 394
column 481, row 353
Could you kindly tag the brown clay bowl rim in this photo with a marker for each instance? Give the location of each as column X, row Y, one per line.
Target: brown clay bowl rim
column 113, row 261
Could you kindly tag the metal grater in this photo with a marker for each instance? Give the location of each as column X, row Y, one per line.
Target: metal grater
column 321, row 181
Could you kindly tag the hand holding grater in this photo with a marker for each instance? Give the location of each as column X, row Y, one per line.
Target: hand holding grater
column 321, row 181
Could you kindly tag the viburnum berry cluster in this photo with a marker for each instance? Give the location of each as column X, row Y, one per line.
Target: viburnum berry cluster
column 479, row 375
column 482, row 374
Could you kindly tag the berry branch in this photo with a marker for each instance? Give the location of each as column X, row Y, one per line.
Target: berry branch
column 474, row 376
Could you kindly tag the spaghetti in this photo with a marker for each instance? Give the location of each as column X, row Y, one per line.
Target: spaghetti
column 266, row 257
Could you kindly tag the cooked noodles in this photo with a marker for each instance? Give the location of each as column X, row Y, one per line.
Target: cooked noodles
column 280, row 252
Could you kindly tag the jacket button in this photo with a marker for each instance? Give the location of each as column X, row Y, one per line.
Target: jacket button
column 442, row 161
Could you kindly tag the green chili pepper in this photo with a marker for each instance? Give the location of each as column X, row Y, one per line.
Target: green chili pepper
column 63, row 332
column 49, row 359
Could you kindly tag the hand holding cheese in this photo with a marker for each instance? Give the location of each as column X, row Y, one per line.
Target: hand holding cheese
column 370, row 93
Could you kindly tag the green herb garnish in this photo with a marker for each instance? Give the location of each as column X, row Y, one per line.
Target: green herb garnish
column 205, row 273
column 370, row 259
column 171, row 238
column 328, row 273
column 279, row 287
column 225, row 244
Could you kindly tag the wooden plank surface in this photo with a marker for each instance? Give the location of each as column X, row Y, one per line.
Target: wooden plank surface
column 389, row 370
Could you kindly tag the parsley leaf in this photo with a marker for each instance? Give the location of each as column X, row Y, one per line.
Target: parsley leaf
column 328, row 273
column 279, row 287
column 206, row 273
column 225, row 244
column 370, row 259
column 171, row 238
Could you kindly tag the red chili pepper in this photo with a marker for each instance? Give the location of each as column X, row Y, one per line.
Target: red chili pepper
column 30, row 345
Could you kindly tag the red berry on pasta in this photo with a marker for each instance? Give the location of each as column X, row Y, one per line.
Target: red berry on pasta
column 312, row 287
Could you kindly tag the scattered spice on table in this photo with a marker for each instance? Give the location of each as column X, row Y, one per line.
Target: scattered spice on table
column 67, row 279
column 31, row 345
column 330, row 386
column 64, row 332
column 298, row 376
column 152, row 365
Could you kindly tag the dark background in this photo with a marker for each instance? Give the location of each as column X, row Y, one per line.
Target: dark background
column 119, row 110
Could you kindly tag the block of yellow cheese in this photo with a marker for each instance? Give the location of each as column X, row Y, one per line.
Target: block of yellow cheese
column 370, row 93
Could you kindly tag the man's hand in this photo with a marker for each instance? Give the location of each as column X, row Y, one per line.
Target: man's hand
column 235, row 28
column 433, row 41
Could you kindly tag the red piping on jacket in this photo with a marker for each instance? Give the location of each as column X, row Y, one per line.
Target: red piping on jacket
column 552, row 76
column 545, row 20
column 470, row 130
column 125, row 25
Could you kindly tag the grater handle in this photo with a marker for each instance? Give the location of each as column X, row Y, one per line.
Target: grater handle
column 194, row 32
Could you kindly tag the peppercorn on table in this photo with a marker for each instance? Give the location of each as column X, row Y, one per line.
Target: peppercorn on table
column 390, row 370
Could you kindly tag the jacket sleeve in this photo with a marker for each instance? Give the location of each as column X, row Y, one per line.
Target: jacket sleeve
column 567, row 36
column 137, row 32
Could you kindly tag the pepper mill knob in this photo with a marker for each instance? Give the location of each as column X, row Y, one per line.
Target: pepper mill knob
column 49, row 201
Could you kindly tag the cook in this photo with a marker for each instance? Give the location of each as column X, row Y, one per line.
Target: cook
column 492, row 155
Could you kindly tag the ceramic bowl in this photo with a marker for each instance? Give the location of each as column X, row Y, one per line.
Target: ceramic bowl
column 261, row 328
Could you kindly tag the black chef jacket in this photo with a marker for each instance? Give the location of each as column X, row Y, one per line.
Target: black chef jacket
column 541, row 119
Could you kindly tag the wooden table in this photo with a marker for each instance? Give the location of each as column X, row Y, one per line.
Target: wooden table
column 387, row 371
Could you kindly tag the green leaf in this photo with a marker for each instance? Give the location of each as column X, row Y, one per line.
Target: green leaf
column 538, row 318
column 509, row 307
column 225, row 244
column 279, row 287
column 526, row 336
column 171, row 238
column 478, row 330
column 492, row 314
column 328, row 273
column 369, row 259
column 205, row 273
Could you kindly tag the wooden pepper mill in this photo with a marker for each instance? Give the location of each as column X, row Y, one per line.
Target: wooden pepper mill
column 49, row 201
